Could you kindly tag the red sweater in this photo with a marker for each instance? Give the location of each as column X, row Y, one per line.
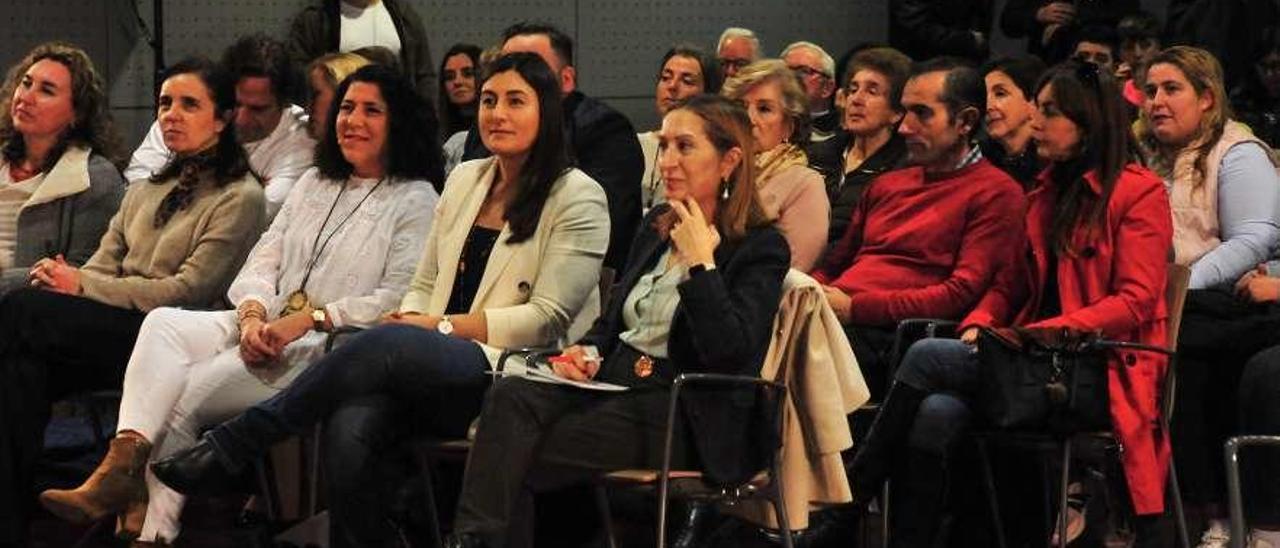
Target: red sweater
column 926, row 246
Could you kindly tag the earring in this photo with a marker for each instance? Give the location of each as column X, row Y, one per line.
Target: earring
column 724, row 189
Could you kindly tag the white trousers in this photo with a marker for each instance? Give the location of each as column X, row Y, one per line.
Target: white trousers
column 186, row 373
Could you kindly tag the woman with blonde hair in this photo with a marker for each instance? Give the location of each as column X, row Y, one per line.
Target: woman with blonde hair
column 1224, row 194
column 323, row 76
column 791, row 191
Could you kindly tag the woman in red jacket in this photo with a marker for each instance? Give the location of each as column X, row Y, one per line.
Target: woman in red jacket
column 1098, row 237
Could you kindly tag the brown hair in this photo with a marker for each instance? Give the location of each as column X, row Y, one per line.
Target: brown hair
column 92, row 127
column 1204, row 72
column 727, row 127
column 894, row 65
column 1087, row 97
column 794, row 101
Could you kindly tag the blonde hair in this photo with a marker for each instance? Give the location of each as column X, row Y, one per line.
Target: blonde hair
column 336, row 66
column 795, row 103
column 1204, row 72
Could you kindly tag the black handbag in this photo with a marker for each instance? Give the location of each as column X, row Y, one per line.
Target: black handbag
column 1041, row 379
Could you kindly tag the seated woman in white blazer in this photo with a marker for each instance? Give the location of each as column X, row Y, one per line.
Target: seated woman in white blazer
column 341, row 252
column 514, row 255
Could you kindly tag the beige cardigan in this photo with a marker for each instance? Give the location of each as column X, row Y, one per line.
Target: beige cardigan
column 812, row 356
column 190, row 260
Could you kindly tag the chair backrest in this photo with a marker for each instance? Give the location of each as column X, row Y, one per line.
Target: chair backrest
column 1175, row 295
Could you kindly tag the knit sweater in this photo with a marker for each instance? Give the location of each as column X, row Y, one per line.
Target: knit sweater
column 925, row 245
column 190, row 260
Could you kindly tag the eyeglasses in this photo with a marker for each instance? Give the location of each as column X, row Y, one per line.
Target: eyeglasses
column 734, row 63
column 804, row 71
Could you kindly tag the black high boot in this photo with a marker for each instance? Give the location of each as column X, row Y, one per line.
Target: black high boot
column 919, row 502
column 884, row 441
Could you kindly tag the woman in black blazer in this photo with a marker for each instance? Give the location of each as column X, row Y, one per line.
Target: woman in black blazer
column 699, row 294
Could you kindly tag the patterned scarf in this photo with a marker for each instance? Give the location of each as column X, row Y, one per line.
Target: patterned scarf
column 773, row 161
column 188, row 170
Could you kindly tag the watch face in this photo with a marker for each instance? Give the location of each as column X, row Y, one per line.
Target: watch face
column 445, row 326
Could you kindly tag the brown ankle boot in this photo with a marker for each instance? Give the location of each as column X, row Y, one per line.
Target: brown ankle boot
column 116, row 483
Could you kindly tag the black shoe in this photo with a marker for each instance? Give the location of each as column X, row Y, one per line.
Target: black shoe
column 692, row 527
column 196, row 470
column 464, row 540
column 832, row 527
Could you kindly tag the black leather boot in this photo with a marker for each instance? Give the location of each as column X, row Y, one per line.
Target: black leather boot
column 884, row 441
column 197, row 470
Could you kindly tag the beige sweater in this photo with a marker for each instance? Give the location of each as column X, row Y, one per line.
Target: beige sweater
column 189, row 261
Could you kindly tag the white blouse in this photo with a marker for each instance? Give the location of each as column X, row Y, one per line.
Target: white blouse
column 364, row 270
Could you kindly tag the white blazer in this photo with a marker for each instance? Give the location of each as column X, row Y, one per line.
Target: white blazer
column 531, row 291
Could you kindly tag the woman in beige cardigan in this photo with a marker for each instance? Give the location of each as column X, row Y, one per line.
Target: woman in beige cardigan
column 176, row 241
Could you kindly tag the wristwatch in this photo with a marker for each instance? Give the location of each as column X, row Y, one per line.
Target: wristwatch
column 700, row 268
column 319, row 317
column 445, row 327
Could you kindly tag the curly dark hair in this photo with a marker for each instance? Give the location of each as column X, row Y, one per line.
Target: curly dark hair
column 93, row 126
column 413, row 145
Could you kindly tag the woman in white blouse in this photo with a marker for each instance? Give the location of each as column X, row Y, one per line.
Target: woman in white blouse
column 341, row 252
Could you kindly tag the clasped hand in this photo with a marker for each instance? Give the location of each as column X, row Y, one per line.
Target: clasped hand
column 262, row 343
column 575, row 364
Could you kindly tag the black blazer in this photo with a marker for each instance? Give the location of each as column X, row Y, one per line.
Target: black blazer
column 722, row 325
column 844, row 190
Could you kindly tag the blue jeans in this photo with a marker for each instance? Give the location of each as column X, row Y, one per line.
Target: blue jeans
column 385, row 383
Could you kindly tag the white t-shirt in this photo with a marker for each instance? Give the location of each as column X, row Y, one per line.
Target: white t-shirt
column 12, row 197
column 371, row 26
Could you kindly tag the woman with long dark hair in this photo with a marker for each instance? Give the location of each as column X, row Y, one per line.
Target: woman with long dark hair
column 1098, row 238
column 513, row 255
column 459, row 92
column 177, row 240
column 340, row 253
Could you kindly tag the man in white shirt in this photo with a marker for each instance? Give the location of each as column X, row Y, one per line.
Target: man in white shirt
column 272, row 131
column 328, row 26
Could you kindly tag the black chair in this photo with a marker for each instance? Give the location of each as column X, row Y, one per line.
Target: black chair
column 691, row 484
column 906, row 333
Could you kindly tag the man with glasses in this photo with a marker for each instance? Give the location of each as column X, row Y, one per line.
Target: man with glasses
column 737, row 48
column 816, row 71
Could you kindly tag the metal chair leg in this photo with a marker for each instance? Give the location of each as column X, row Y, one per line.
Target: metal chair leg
column 1179, row 513
column 989, row 485
column 1062, row 493
column 884, row 514
column 780, row 505
column 606, row 516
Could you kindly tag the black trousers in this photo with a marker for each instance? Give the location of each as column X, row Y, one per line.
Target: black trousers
column 1219, row 334
column 52, row 346
column 535, row 437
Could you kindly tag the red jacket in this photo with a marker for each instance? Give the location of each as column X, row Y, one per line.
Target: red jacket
column 1115, row 283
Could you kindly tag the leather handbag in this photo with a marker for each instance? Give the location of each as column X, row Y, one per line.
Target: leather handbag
column 1043, row 379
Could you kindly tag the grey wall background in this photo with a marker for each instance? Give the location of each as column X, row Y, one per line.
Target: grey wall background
column 619, row 41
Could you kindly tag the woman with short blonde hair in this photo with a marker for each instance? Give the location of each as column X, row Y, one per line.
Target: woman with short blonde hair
column 792, row 191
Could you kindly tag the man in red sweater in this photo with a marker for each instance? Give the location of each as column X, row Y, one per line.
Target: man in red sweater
column 925, row 241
